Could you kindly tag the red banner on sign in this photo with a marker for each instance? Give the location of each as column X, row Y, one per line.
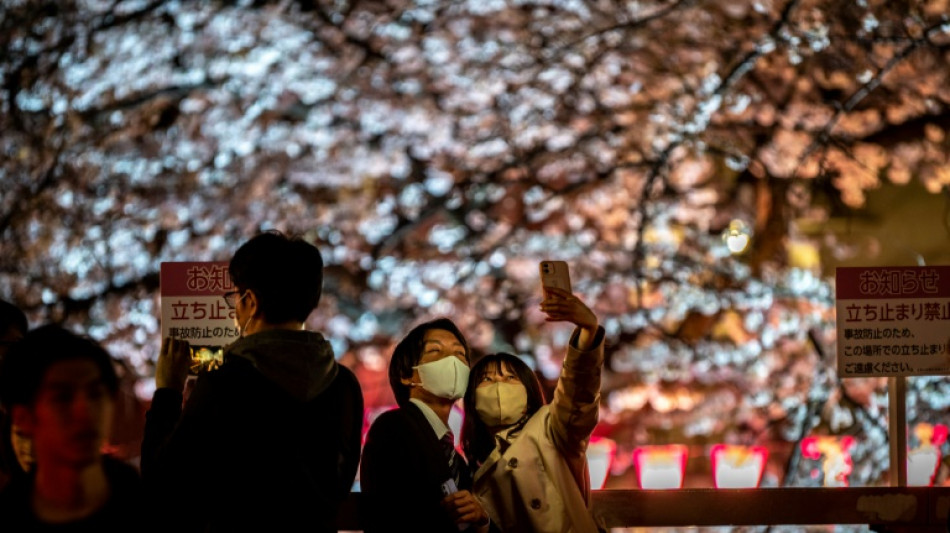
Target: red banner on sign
column 195, row 279
column 876, row 283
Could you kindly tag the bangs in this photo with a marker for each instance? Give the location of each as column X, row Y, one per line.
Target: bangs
column 496, row 364
column 492, row 365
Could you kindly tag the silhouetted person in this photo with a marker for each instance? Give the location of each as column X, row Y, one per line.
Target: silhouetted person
column 61, row 392
column 269, row 441
column 13, row 326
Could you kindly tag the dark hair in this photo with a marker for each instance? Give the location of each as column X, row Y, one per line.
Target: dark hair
column 28, row 360
column 409, row 351
column 285, row 273
column 11, row 317
column 477, row 440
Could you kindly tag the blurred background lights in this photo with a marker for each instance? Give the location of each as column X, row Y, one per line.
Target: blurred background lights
column 737, row 236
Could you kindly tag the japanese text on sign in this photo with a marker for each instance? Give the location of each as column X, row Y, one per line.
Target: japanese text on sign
column 890, row 312
column 213, row 278
column 193, row 307
column 203, row 333
column 215, row 309
column 893, row 321
column 898, row 282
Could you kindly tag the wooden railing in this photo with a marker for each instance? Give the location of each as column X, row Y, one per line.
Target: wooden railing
column 919, row 509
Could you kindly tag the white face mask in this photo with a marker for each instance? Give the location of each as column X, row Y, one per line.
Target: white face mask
column 501, row 404
column 446, row 378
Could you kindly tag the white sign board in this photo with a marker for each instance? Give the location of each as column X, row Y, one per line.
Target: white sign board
column 893, row 321
column 193, row 308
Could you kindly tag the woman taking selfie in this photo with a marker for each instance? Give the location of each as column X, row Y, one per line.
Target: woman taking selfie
column 529, row 458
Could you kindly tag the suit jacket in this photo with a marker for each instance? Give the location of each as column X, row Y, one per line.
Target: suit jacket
column 401, row 475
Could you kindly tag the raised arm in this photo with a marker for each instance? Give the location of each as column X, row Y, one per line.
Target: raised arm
column 574, row 408
column 163, row 416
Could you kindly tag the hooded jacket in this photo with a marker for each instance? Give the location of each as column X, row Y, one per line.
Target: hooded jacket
column 271, row 439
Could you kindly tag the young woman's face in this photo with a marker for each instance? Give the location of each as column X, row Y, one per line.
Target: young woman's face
column 500, row 373
column 500, row 397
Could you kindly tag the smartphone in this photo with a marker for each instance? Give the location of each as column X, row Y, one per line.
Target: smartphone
column 449, row 487
column 205, row 358
column 555, row 274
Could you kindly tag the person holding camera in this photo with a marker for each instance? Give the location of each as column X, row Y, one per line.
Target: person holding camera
column 270, row 441
column 530, row 458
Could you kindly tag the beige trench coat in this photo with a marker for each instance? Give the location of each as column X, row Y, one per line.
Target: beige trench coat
column 536, row 479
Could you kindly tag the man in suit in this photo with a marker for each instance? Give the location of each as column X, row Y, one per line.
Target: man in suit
column 412, row 477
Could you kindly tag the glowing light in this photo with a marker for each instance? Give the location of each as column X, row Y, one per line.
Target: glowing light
column 837, row 463
column 738, row 467
column 737, row 237
column 660, row 467
column 923, row 461
column 600, row 457
column 206, row 358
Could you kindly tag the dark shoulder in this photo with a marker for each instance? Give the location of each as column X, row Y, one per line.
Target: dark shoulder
column 233, row 366
column 346, row 376
column 127, row 503
column 120, row 473
column 392, row 420
column 234, row 372
column 386, row 420
column 14, row 500
column 345, row 382
column 237, row 376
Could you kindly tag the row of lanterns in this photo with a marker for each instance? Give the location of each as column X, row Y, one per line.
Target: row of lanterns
column 741, row 467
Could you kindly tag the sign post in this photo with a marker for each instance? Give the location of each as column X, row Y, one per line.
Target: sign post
column 897, row 428
column 893, row 321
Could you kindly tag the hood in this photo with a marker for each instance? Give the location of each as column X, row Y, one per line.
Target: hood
column 299, row 362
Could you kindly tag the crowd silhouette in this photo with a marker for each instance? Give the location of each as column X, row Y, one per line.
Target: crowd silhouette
column 271, row 439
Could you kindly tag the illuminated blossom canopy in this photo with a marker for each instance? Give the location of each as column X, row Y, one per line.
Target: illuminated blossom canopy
column 436, row 150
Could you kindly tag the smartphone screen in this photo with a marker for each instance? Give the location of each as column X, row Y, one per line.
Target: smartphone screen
column 555, row 274
column 205, row 358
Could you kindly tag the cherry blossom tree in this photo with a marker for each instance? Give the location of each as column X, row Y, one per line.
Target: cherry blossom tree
column 436, row 150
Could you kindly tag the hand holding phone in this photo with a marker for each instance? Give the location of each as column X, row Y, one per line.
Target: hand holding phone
column 462, row 506
column 554, row 274
column 449, row 487
column 171, row 369
column 561, row 305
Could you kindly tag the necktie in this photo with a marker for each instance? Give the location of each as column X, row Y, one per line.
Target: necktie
column 452, row 456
